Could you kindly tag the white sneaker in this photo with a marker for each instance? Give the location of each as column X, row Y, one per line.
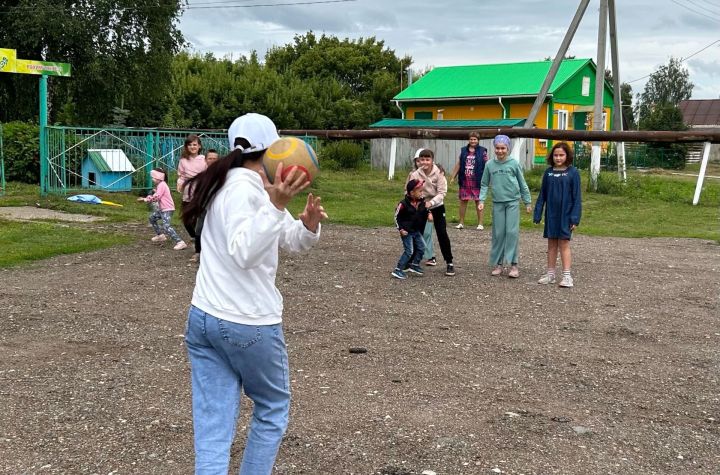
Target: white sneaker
column 567, row 281
column 180, row 246
column 480, row 227
column 159, row 238
column 547, row 279
column 460, row 226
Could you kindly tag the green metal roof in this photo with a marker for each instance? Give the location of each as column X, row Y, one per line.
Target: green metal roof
column 489, row 80
column 445, row 124
column 96, row 157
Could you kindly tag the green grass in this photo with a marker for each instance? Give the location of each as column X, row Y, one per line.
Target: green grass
column 649, row 205
column 25, row 242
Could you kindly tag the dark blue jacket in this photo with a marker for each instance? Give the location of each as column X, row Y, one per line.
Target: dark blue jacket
column 411, row 218
column 480, row 154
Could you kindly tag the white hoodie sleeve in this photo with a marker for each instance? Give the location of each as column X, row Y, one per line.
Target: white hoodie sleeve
column 295, row 236
column 252, row 227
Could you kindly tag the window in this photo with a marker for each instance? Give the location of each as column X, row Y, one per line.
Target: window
column 92, row 181
column 604, row 125
column 562, row 119
column 586, row 86
column 423, row 115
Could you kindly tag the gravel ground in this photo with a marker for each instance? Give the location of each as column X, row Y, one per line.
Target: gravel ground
column 463, row 375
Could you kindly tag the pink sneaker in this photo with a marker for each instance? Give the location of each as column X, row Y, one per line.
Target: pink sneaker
column 514, row 272
column 497, row 270
column 159, row 238
column 180, row 246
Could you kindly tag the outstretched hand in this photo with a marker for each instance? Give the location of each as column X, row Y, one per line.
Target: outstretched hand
column 313, row 213
column 283, row 189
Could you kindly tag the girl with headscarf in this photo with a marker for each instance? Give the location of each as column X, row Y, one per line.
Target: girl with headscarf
column 505, row 176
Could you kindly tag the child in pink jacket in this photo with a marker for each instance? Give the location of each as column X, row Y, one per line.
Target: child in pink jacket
column 164, row 211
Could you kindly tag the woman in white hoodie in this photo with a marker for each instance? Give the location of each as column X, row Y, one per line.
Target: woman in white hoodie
column 234, row 332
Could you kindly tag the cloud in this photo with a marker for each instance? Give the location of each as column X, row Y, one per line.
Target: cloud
column 470, row 32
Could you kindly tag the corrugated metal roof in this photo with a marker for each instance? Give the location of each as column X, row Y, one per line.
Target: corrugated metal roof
column 489, row 80
column 445, row 124
column 700, row 111
column 110, row 160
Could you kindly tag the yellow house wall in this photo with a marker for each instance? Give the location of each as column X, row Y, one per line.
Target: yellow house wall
column 464, row 112
column 571, row 110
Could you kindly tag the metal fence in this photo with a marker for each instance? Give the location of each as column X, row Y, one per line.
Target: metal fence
column 66, row 168
column 2, row 164
column 637, row 155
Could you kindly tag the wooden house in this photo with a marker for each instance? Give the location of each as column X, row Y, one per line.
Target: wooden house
column 107, row 169
column 506, row 91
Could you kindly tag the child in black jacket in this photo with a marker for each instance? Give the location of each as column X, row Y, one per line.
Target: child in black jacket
column 410, row 218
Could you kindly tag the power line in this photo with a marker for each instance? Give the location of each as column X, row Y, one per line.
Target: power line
column 193, row 6
column 695, row 11
column 713, row 12
column 682, row 60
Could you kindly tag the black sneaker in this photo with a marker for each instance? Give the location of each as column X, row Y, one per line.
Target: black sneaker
column 415, row 269
column 431, row 262
column 450, row 270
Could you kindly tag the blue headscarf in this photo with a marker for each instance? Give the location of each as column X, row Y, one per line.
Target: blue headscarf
column 503, row 139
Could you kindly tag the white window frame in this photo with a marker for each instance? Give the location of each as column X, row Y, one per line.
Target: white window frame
column 563, row 117
column 585, row 86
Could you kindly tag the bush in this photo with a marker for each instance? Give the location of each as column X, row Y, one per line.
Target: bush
column 609, row 184
column 341, row 155
column 21, row 145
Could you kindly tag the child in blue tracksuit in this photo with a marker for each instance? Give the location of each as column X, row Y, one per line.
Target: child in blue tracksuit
column 560, row 195
column 410, row 218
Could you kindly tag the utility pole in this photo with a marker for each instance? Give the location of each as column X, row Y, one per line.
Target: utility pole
column 599, row 92
column 617, row 91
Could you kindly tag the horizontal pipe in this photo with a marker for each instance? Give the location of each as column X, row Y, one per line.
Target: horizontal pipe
column 694, row 135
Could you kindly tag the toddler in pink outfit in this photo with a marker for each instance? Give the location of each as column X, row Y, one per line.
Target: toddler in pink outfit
column 160, row 217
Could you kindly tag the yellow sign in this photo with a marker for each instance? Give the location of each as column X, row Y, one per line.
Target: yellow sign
column 8, row 58
column 9, row 63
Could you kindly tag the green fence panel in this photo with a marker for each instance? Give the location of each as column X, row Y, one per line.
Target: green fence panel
column 72, row 167
column 2, row 163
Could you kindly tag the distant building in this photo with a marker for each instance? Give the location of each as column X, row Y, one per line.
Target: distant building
column 107, row 169
column 701, row 114
column 493, row 92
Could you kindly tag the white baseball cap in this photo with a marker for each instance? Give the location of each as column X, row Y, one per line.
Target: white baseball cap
column 257, row 129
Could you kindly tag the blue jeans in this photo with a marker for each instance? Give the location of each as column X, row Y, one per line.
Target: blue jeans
column 226, row 358
column 413, row 249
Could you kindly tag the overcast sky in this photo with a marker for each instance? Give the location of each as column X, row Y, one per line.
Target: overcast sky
column 447, row 33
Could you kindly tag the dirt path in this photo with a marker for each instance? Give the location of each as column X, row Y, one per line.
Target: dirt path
column 463, row 375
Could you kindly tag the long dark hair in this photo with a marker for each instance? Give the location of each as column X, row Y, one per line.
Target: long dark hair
column 208, row 183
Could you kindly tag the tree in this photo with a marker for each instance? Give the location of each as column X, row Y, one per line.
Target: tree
column 120, row 52
column 668, row 85
column 626, row 98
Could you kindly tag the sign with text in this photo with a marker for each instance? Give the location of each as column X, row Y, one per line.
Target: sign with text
column 8, row 58
column 10, row 63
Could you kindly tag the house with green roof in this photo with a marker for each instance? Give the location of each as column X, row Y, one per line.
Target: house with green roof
column 501, row 95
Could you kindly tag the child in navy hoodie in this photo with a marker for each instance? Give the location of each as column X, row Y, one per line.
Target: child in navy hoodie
column 410, row 218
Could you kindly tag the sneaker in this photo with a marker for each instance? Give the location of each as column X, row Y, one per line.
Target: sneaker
column 460, row 226
column 398, row 274
column 497, row 270
column 450, row 270
column 195, row 257
column 180, row 246
column 415, row 269
column 480, row 227
column 431, row 262
column 159, row 238
column 547, row 278
column 567, row 281
column 514, row 272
